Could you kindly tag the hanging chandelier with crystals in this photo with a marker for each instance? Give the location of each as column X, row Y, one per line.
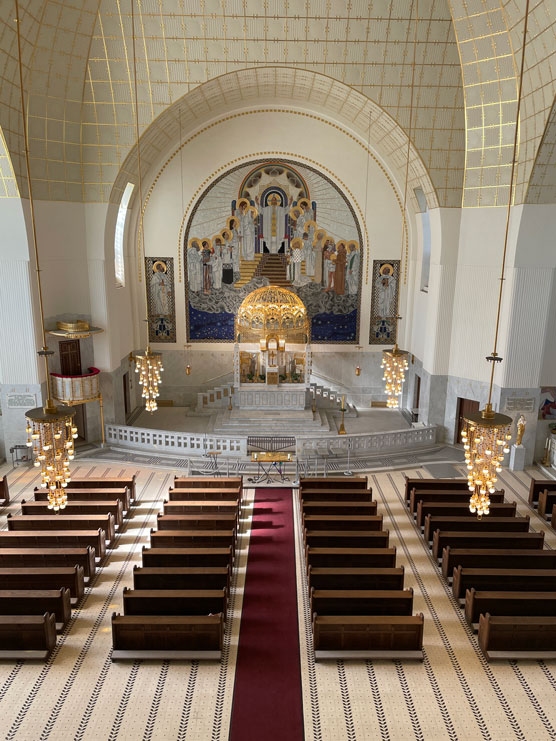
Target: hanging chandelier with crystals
column 50, row 433
column 485, row 440
column 149, row 366
column 394, row 364
column 50, row 428
column 486, row 433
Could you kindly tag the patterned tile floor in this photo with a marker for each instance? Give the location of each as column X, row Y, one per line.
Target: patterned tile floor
column 453, row 694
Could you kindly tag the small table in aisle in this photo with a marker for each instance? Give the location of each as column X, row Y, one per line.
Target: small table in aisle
column 271, row 467
column 212, row 455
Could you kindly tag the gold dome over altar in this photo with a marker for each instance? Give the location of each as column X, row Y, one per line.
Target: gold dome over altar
column 272, row 310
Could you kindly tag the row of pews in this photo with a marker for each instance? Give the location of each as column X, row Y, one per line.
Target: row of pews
column 499, row 570
column 359, row 607
column 178, row 605
column 542, row 496
column 47, row 560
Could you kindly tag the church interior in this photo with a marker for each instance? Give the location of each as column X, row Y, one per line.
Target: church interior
column 278, row 370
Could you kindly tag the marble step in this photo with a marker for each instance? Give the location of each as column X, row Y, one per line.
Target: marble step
column 226, row 423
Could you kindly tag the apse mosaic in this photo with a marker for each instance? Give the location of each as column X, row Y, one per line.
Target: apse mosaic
column 159, row 275
column 384, row 302
column 273, row 223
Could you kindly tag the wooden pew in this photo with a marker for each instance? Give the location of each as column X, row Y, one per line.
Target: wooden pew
column 514, row 580
column 175, row 601
column 456, row 539
column 339, row 508
column 27, row 636
column 342, row 522
column 445, row 496
column 547, row 500
column 192, row 577
column 538, row 485
column 55, row 539
column 351, row 557
column 53, row 577
column 514, row 558
column 192, row 538
column 4, row 491
column 473, row 524
column 37, row 602
column 18, row 523
column 361, row 602
column 460, row 509
column 334, row 495
column 90, row 495
column 215, row 521
column 109, row 482
column 347, row 538
column 356, row 578
column 368, row 637
column 433, row 484
column 201, row 507
column 333, row 482
column 210, row 482
column 216, row 495
column 502, row 637
column 169, row 637
column 508, row 603
column 185, row 557
column 78, row 507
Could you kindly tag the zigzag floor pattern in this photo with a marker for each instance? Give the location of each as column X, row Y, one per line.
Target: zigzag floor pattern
column 454, row 694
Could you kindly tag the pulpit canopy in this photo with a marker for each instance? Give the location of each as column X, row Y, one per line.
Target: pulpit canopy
column 272, row 310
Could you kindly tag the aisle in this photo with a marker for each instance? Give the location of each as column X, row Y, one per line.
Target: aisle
column 267, row 696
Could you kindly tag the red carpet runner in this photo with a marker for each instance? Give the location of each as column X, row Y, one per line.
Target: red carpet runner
column 267, row 694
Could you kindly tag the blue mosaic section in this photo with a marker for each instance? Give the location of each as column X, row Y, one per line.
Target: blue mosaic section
column 334, row 327
column 206, row 326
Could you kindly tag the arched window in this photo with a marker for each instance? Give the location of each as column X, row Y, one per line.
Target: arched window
column 119, row 264
column 426, row 228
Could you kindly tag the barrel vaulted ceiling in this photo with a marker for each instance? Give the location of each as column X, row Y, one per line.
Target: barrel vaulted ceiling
column 78, row 70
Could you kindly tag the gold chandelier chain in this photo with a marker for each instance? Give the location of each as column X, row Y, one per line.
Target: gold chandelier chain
column 415, row 4
column 138, row 146
column 49, row 402
column 510, row 196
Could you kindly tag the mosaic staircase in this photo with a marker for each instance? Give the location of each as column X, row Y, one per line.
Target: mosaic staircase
column 248, row 269
column 274, row 268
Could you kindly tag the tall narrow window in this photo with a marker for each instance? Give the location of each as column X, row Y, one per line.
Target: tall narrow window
column 119, row 264
column 426, row 229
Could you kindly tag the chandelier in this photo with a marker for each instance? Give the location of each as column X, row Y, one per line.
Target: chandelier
column 486, row 433
column 149, row 366
column 394, row 364
column 50, row 429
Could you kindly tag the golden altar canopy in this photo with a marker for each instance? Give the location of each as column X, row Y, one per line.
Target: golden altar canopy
column 272, row 310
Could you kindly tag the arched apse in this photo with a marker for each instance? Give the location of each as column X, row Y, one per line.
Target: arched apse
column 542, row 184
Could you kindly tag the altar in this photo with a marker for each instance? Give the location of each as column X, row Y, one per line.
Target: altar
column 272, row 354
